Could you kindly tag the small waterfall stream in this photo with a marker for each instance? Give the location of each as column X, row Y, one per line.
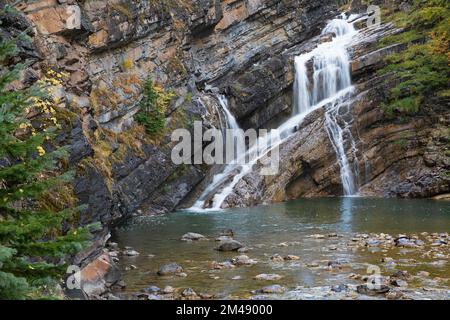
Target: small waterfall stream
column 329, row 87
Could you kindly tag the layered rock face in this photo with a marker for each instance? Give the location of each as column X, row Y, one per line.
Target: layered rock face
column 392, row 157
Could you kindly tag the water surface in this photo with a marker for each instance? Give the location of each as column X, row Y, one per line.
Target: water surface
column 285, row 228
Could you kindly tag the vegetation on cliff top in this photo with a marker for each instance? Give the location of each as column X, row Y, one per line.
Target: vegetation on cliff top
column 35, row 241
column 423, row 68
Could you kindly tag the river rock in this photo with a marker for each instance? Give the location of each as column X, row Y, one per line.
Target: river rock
column 268, row 277
column 339, row 288
column 291, row 257
column 152, row 289
column 169, row 269
column 373, row 289
column 189, row 293
column 130, row 252
column 277, row 258
column 229, row 245
column 423, row 274
column 222, row 265
column 243, row 260
column 275, row 288
column 168, row 290
column 399, row 283
column 192, row 236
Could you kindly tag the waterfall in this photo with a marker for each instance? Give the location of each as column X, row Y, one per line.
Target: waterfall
column 328, row 87
column 218, row 178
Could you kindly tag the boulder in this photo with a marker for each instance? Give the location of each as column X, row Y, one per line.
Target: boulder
column 170, row 269
column 229, row 245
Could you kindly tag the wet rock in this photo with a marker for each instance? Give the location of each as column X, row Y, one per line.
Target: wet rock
column 268, row 277
column 373, row 243
column 112, row 245
column 243, row 250
column 401, row 274
column 317, row 236
column 229, row 245
column 206, row 296
column 222, row 265
column 339, row 288
column 277, row 258
column 168, row 290
column 243, row 260
column 423, row 274
column 192, row 236
column 283, row 244
column 182, row 275
column 188, row 293
column 148, row 296
column 399, row 283
column 170, row 269
column 372, row 289
column 405, row 242
column 152, row 289
column 291, row 257
column 313, row 264
column 275, row 288
column 130, row 253
column 394, row 295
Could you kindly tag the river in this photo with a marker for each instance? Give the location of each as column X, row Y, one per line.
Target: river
column 335, row 240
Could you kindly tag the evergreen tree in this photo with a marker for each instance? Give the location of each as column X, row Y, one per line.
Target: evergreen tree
column 35, row 241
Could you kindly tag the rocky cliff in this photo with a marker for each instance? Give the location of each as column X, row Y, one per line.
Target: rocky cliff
column 193, row 49
column 108, row 48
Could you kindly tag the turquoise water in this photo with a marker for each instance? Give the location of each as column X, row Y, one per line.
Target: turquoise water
column 285, row 228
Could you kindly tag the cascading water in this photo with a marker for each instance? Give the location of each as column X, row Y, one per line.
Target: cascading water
column 329, row 86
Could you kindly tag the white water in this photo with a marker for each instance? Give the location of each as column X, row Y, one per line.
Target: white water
column 330, row 87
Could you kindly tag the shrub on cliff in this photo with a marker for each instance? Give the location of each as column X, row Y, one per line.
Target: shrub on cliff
column 35, row 241
column 152, row 107
column 423, row 68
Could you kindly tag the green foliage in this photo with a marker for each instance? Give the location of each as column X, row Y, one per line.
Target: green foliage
column 151, row 115
column 34, row 242
column 423, row 68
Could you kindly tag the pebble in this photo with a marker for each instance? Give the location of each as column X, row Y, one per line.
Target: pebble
column 152, row 289
column 243, row 260
column 276, row 288
column 188, row 292
column 268, row 277
column 168, row 269
column 222, row 265
column 192, row 236
column 423, row 274
column 168, row 290
column 130, row 252
column 277, row 258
